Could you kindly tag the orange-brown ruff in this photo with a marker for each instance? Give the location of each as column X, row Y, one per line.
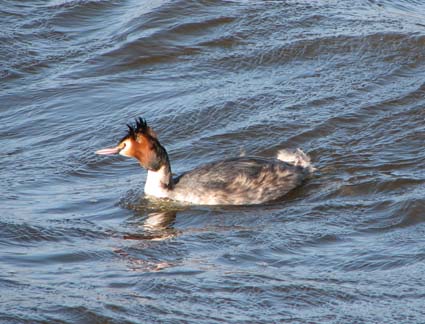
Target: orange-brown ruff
column 237, row 181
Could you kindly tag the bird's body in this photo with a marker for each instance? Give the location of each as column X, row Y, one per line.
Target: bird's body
column 236, row 181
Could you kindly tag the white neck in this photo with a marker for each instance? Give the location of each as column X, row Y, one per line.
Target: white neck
column 155, row 183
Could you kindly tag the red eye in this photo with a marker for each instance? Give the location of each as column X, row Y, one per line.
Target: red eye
column 123, row 146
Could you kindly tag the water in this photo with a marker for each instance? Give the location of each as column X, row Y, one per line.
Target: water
column 342, row 80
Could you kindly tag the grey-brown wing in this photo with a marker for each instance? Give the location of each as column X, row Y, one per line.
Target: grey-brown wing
column 249, row 171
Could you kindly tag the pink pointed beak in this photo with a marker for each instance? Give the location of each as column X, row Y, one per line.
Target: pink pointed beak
column 109, row 151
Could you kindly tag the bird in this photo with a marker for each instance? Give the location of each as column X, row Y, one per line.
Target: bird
column 234, row 181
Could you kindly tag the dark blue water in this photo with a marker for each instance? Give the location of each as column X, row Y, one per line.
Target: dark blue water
column 343, row 80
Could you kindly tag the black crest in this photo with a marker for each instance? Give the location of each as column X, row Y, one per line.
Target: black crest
column 139, row 127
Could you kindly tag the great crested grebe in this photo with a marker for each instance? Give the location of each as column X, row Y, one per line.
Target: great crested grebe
column 235, row 181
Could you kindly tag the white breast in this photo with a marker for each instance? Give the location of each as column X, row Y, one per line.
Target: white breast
column 154, row 184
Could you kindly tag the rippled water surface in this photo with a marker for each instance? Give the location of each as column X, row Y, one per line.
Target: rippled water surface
column 343, row 80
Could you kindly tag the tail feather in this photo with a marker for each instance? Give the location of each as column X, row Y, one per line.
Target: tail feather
column 297, row 158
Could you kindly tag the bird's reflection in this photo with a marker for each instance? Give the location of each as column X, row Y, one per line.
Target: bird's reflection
column 157, row 225
column 161, row 220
